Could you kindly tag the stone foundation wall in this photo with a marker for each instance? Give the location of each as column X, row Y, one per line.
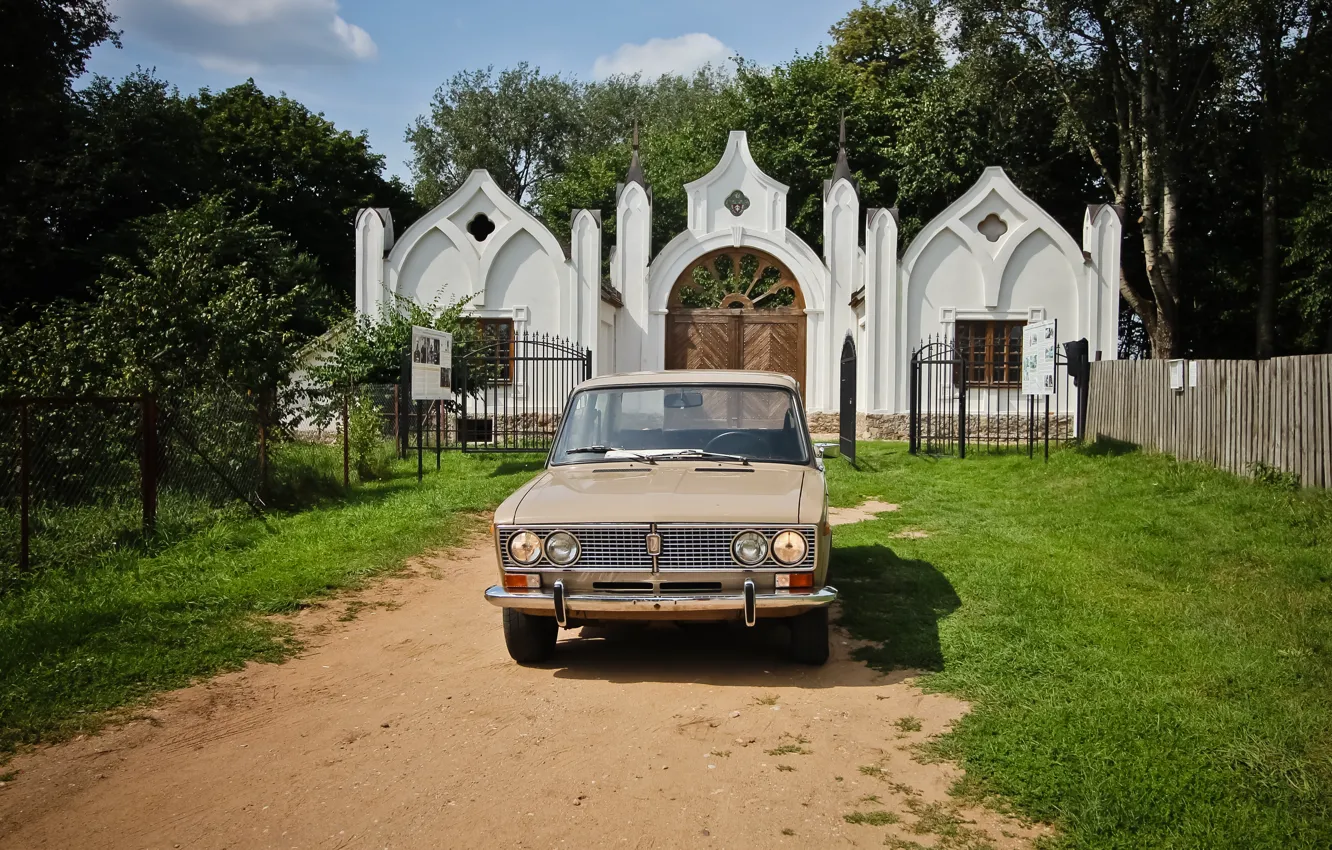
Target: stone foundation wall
column 1001, row 428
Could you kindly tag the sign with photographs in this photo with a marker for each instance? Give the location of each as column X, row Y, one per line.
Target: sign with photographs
column 1038, row 358
column 432, row 364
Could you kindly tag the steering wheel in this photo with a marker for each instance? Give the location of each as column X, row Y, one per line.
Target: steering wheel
column 746, row 439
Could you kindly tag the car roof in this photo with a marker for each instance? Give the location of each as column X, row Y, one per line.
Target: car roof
column 675, row 377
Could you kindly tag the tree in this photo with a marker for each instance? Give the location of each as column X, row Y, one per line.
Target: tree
column 302, row 175
column 44, row 46
column 519, row 126
column 210, row 298
column 1137, row 78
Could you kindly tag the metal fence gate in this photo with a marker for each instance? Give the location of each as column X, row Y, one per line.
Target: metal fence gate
column 846, row 420
column 961, row 401
column 511, row 392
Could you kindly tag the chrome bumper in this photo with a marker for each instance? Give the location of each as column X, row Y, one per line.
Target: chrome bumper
column 661, row 606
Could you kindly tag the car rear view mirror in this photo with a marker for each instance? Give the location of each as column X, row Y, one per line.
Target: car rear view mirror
column 675, row 401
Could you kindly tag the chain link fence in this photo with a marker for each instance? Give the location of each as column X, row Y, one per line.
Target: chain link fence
column 85, row 476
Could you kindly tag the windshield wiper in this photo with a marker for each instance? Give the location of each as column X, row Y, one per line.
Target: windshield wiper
column 704, row 453
column 601, row 450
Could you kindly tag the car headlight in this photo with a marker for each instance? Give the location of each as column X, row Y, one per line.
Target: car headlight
column 789, row 547
column 749, row 547
column 525, row 547
column 562, row 548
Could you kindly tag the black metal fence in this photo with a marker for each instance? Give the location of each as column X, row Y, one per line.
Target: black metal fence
column 512, row 392
column 84, row 475
column 962, row 401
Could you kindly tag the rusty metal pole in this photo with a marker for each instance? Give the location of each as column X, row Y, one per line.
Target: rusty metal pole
column 25, row 495
column 346, row 442
column 148, row 472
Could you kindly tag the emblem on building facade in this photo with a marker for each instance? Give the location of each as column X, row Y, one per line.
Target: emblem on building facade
column 736, row 202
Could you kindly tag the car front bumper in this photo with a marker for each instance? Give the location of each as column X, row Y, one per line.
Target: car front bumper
column 587, row 606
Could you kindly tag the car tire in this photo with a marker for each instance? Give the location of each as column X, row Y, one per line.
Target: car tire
column 530, row 639
column 809, row 637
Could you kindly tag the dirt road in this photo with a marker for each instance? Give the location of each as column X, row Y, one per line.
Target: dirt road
column 409, row 727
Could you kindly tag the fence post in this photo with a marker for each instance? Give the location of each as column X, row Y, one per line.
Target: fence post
column 148, row 464
column 439, row 430
column 25, row 495
column 1047, row 429
column 346, row 440
column 913, row 427
column 397, row 440
column 420, row 449
column 962, row 410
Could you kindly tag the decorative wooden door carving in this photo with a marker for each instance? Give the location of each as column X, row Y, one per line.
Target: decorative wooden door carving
column 737, row 309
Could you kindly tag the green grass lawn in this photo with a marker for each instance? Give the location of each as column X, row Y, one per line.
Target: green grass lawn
column 77, row 642
column 1147, row 645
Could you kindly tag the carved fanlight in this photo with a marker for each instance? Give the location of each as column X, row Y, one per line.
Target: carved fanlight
column 737, row 279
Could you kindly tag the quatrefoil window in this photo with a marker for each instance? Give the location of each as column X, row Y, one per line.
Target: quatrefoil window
column 480, row 227
column 992, row 227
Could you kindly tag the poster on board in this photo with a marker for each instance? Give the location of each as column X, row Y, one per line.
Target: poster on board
column 1038, row 358
column 432, row 364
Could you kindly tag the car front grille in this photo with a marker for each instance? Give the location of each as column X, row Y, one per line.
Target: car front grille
column 684, row 546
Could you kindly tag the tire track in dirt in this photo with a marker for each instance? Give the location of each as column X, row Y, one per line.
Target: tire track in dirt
column 408, row 727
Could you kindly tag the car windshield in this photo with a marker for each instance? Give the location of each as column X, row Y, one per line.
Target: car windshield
column 663, row 423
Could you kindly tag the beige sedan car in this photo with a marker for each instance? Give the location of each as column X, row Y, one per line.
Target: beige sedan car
column 674, row 496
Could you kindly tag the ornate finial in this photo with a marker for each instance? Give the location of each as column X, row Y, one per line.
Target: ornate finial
column 842, row 171
column 635, row 173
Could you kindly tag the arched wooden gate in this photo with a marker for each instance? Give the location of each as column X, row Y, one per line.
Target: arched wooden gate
column 737, row 308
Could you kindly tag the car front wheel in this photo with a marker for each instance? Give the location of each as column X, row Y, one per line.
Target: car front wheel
column 530, row 639
column 809, row 637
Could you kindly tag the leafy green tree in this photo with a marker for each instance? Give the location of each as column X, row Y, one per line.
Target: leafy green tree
column 519, row 126
column 45, row 46
column 300, row 173
column 210, row 298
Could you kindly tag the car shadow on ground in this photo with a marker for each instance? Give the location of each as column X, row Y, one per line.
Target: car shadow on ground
column 887, row 615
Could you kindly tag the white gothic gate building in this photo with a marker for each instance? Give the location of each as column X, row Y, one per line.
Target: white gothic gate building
column 738, row 289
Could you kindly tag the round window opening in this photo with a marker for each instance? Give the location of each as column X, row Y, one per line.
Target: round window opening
column 480, row 227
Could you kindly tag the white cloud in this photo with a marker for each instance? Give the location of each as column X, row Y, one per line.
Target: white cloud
column 657, row 56
column 247, row 35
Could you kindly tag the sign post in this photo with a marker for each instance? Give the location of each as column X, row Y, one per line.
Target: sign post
column 431, row 380
column 1039, row 341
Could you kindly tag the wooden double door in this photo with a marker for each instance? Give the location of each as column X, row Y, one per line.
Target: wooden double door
column 771, row 340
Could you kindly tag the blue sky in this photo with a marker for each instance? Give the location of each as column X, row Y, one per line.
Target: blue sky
column 374, row 64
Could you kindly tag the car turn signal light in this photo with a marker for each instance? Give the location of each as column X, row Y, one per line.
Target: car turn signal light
column 794, row 580
column 521, row 581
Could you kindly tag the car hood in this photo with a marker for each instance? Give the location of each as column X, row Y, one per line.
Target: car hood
column 674, row 491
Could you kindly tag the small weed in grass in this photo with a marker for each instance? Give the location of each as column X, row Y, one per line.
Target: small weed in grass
column 908, row 724
column 725, row 754
column 872, row 770
column 767, row 699
column 903, row 789
column 870, row 798
column 786, row 830
column 785, row 768
column 874, row 818
column 9, row 777
column 788, row 750
column 897, row 843
column 837, row 778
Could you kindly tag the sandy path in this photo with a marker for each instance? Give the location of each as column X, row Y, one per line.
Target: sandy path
column 409, row 727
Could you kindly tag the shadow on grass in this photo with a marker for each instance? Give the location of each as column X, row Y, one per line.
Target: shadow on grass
column 896, row 603
column 1104, row 446
column 513, row 467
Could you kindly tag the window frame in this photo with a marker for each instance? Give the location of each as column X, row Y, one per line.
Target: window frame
column 994, row 357
column 505, row 376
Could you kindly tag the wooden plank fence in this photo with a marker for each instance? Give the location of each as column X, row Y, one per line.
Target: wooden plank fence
column 1237, row 415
